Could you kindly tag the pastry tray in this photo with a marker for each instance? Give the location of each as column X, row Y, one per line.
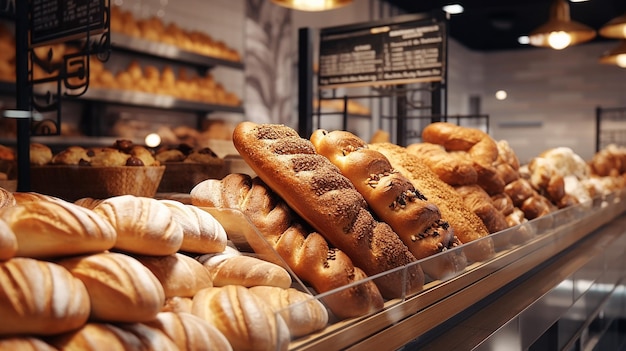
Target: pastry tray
column 543, row 238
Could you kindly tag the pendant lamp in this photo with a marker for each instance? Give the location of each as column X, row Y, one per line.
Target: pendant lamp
column 616, row 56
column 615, row 28
column 312, row 5
column 560, row 31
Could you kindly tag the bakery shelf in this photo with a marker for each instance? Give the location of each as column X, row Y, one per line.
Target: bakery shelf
column 122, row 42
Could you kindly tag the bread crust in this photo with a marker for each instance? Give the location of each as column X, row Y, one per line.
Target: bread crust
column 315, row 189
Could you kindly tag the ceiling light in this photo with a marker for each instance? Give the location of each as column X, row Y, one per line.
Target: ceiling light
column 501, row 94
column 615, row 28
column 524, row 40
column 312, row 5
column 560, row 31
column 616, row 56
column 453, row 9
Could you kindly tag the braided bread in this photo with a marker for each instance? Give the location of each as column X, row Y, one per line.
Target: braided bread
column 307, row 253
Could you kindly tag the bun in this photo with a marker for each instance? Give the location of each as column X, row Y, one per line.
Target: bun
column 179, row 274
column 57, row 228
column 302, row 313
column 144, row 225
column 466, row 224
column 391, row 196
column 8, row 242
column 120, row 287
column 40, row 298
column 232, row 268
column 73, row 155
column 245, row 320
column 25, row 343
column 177, row 304
column 190, row 332
column 454, row 168
column 40, row 154
column 307, row 253
column 315, row 189
column 477, row 200
column 202, row 233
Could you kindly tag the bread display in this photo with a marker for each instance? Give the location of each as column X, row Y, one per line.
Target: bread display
column 307, row 253
column 180, row 275
column 190, row 332
column 315, row 189
column 391, row 196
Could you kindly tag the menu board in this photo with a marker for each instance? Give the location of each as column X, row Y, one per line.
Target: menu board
column 52, row 20
column 397, row 53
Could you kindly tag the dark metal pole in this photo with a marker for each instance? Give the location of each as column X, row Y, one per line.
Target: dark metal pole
column 305, row 82
column 22, row 94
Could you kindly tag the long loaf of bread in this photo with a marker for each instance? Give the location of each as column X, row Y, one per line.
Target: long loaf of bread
column 315, row 189
column 392, row 197
column 307, row 253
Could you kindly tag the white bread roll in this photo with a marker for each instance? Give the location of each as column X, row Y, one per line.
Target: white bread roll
column 109, row 337
column 302, row 312
column 8, row 242
column 40, row 298
column 190, row 332
column 247, row 322
column 25, row 343
column 121, row 288
column 177, row 304
column 202, row 233
column 179, row 274
column 232, row 268
column 144, row 225
column 57, row 228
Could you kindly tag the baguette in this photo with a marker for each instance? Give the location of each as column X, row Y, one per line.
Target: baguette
column 392, row 197
column 8, row 242
column 315, row 189
column 306, row 253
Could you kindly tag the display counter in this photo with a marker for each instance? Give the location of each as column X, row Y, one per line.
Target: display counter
column 549, row 289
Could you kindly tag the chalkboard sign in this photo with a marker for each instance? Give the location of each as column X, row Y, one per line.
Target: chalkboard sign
column 383, row 53
column 55, row 20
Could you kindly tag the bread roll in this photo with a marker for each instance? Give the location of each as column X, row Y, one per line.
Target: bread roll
column 88, row 202
column 57, row 228
column 179, row 274
column 40, row 154
column 6, row 198
column 73, row 155
column 144, row 225
column 302, row 313
column 177, row 304
column 190, row 332
column 391, row 196
column 8, row 242
column 478, row 201
column 202, row 233
column 232, row 268
column 245, row 320
column 25, row 343
column 467, row 225
column 315, row 189
column 307, row 253
column 454, row 168
column 40, row 298
column 120, row 287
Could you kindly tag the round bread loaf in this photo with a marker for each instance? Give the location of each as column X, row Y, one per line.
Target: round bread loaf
column 190, row 332
column 202, row 233
column 245, row 320
column 8, row 242
column 25, row 343
column 179, row 274
column 40, row 298
column 177, row 304
column 57, row 228
column 6, row 198
column 40, row 154
column 120, row 287
column 144, row 225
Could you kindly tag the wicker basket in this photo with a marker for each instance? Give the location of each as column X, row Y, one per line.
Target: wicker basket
column 74, row 182
column 181, row 177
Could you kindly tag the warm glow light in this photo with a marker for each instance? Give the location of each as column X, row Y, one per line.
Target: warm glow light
column 501, row 94
column 153, row 140
column 559, row 40
column 524, row 40
column 453, row 9
column 578, row 0
column 309, row 5
column 621, row 60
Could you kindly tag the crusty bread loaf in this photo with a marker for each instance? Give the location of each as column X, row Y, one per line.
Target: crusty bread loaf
column 391, row 196
column 40, row 298
column 190, row 332
column 57, row 228
column 177, row 304
column 245, row 320
column 306, row 253
column 315, row 189
column 120, row 287
column 8, row 242
column 478, row 201
column 302, row 313
column 454, row 167
column 6, row 198
column 25, row 343
column 144, row 225
column 202, row 233
column 232, row 268
column 467, row 225
column 88, row 202
column 179, row 274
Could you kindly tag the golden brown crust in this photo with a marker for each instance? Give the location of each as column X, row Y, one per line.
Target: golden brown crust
column 73, row 155
column 477, row 200
column 40, row 154
column 307, row 253
column 8, row 242
column 190, row 332
column 180, row 275
column 6, row 198
column 315, row 189
column 454, row 168
column 25, row 343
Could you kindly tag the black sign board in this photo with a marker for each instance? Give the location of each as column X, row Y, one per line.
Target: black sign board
column 384, row 53
column 52, row 20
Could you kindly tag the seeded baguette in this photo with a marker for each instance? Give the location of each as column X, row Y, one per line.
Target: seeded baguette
column 315, row 189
